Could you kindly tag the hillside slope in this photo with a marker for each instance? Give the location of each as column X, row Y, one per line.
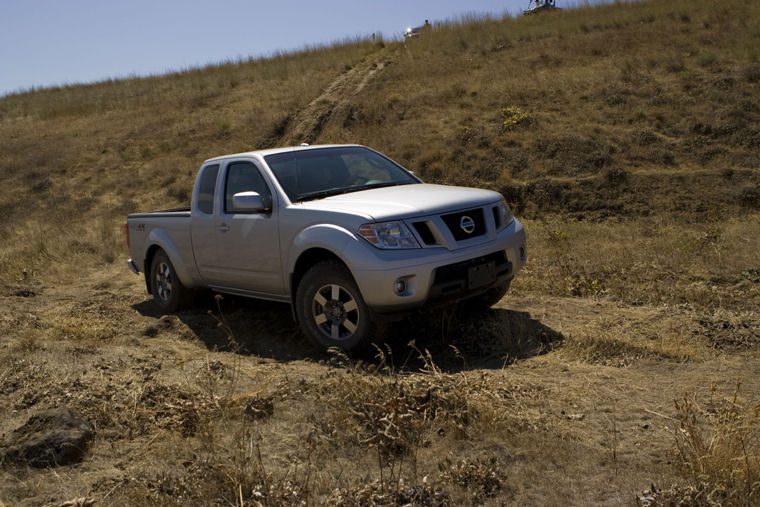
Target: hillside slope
column 625, row 110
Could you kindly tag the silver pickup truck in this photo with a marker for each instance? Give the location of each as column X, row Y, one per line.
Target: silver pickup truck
column 345, row 235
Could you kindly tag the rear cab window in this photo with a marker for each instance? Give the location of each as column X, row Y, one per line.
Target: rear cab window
column 206, row 187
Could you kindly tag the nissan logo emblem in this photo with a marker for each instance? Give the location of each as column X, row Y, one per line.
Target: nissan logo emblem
column 467, row 224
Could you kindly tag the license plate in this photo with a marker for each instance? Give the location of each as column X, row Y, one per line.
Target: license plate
column 480, row 275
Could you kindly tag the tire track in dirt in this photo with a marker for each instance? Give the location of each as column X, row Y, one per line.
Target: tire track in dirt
column 306, row 125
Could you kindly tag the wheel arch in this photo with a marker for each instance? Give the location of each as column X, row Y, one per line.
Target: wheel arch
column 308, row 259
column 314, row 244
column 152, row 249
column 159, row 239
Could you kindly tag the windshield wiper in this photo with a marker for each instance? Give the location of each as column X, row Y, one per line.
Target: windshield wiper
column 376, row 185
column 310, row 196
column 319, row 194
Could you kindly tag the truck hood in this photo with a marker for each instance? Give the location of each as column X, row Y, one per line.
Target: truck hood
column 405, row 201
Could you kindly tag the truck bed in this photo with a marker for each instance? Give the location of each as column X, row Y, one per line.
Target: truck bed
column 174, row 212
column 170, row 226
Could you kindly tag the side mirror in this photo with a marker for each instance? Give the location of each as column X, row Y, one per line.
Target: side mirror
column 248, row 201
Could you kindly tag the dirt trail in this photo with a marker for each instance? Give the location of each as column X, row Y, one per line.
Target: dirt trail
column 307, row 124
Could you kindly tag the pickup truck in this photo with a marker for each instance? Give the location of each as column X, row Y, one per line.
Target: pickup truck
column 344, row 234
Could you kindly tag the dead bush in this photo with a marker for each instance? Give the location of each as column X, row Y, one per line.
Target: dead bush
column 718, row 448
column 482, row 479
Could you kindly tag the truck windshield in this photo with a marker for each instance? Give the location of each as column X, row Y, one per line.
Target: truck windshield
column 322, row 172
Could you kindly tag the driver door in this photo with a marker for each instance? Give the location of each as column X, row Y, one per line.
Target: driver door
column 248, row 242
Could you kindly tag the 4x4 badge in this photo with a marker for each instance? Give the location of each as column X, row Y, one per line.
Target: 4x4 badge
column 467, row 224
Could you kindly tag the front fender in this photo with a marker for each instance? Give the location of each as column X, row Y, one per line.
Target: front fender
column 332, row 238
column 161, row 239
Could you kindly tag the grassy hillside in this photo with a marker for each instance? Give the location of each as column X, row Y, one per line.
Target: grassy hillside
column 625, row 136
column 647, row 109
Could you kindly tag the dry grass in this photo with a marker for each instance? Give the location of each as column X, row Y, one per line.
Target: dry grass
column 647, row 261
column 179, row 423
column 625, row 136
column 717, row 447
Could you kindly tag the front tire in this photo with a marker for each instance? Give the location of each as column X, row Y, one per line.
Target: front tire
column 332, row 311
column 169, row 294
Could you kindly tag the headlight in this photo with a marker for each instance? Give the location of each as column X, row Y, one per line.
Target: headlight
column 506, row 214
column 388, row 235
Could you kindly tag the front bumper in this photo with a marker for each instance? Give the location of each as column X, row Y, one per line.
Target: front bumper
column 439, row 275
column 133, row 267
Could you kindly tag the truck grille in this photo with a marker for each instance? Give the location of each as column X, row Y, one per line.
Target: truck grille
column 466, row 224
column 496, row 216
column 423, row 229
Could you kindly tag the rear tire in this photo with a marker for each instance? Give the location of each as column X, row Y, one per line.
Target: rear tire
column 332, row 311
column 169, row 294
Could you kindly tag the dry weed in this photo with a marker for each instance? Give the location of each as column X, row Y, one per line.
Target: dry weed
column 718, row 448
column 373, row 493
column 481, row 479
column 390, row 412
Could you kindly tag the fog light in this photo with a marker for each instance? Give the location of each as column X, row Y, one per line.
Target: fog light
column 399, row 286
column 522, row 252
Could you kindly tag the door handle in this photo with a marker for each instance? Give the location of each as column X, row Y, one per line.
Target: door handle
column 224, row 227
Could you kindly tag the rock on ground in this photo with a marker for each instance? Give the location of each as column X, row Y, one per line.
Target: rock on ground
column 54, row 437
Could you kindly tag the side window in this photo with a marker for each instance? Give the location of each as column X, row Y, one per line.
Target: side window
column 244, row 177
column 206, row 189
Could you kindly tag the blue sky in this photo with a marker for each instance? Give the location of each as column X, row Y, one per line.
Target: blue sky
column 54, row 42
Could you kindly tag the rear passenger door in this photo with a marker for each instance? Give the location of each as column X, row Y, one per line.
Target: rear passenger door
column 247, row 242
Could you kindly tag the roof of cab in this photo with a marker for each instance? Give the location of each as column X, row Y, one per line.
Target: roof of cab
column 270, row 151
